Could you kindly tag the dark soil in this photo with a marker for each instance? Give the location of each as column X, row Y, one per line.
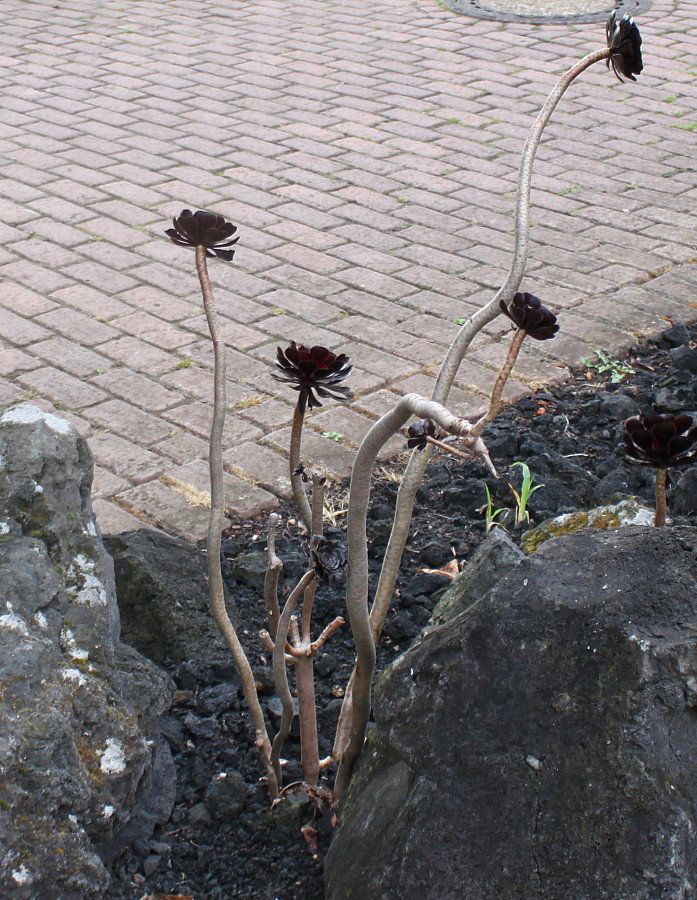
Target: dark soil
column 221, row 841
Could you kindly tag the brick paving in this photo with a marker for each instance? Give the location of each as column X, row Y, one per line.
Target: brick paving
column 368, row 152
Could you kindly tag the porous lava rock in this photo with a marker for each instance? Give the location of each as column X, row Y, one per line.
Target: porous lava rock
column 162, row 590
column 83, row 771
column 540, row 744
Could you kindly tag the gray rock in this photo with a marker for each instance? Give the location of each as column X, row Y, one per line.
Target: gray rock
column 497, row 556
column 677, row 336
column 684, row 495
column 617, row 405
column 250, row 568
column 291, row 813
column 628, row 511
column 540, row 744
column 83, row 770
column 162, row 590
column 226, row 796
column 200, row 816
column 684, row 359
column 151, row 864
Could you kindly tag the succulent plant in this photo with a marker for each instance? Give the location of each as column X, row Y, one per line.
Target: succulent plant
column 204, row 229
column 328, row 558
column 314, row 372
column 419, row 433
column 624, row 43
column 661, row 440
column 528, row 313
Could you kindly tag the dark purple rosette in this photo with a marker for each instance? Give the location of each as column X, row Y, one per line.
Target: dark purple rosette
column 328, row 559
column 314, row 372
column 624, row 44
column 661, row 440
column 204, row 229
column 419, row 433
column 527, row 312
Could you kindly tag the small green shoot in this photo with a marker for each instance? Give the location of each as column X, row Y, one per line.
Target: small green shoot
column 185, row 363
column 522, row 497
column 491, row 514
column 571, row 189
column 617, row 369
column 460, row 321
column 332, row 435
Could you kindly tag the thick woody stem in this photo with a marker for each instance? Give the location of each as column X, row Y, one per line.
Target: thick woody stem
column 418, row 462
column 357, row 582
column 500, row 383
column 317, row 531
column 307, row 711
column 296, row 481
column 305, row 677
column 660, row 517
column 280, row 673
column 273, row 573
column 215, row 527
column 318, row 482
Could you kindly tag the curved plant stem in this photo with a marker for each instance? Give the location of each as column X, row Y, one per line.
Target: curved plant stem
column 215, row 527
column 296, row 481
column 660, row 517
column 419, row 461
column 357, row 582
column 280, row 673
column 273, row 573
column 500, row 383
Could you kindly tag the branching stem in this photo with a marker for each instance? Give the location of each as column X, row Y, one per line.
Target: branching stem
column 357, row 705
column 418, row 462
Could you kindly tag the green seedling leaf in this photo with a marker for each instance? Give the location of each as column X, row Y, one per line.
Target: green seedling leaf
column 617, row 369
column 332, row 435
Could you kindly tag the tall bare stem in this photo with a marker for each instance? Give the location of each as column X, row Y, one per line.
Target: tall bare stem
column 296, row 480
column 274, row 568
column 661, row 479
column 215, row 528
column 500, row 383
column 419, row 460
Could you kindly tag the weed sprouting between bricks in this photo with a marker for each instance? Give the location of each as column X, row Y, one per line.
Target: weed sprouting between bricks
column 318, row 372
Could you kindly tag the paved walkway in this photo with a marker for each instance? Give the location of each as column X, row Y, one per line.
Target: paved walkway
column 368, row 153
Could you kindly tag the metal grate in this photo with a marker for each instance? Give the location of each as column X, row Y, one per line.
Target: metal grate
column 546, row 12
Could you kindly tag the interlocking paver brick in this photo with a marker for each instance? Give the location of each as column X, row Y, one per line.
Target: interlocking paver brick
column 70, row 356
column 370, row 163
column 62, row 388
column 160, row 505
column 126, row 459
column 130, row 422
column 13, row 361
column 260, row 465
column 241, row 497
column 113, row 519
column 197, row 418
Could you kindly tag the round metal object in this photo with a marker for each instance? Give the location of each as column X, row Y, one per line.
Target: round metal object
column 546, row 12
